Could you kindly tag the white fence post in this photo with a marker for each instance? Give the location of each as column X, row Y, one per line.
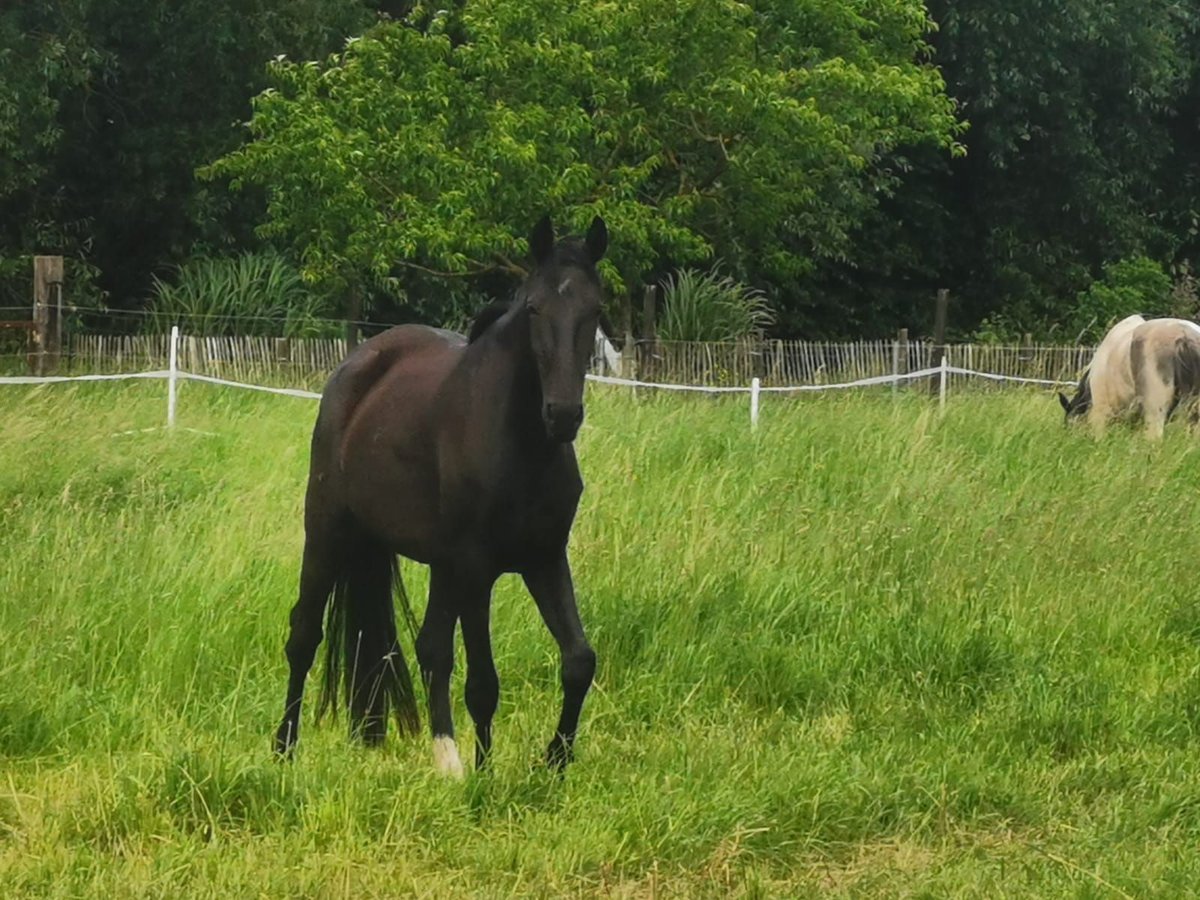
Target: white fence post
column 942, row 382
column 755, row 384
column 172, row 376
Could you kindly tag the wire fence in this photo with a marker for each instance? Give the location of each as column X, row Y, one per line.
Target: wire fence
column 183, row 352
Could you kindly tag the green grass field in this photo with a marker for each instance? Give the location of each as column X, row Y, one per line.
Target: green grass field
column 865, row 651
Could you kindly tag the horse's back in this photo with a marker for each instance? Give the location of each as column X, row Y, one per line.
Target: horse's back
column 1167, row 351
column 1163, row 331
column 418, row 355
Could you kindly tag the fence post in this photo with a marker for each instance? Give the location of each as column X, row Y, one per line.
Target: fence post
column 896, row 366
column 942, row 383
column 172, row 376
column 47, row 312
column 646, row 346
column 755, row 385
column 939, row 327
column 354, row 307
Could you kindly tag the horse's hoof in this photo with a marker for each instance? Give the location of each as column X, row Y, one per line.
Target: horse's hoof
column 445, row 758
column 559, row 753
column 285, row 741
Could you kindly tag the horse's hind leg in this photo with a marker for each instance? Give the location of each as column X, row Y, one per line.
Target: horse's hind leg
column 369, row 640
column 554, row 594
column 1158, row 401
column 318, row 572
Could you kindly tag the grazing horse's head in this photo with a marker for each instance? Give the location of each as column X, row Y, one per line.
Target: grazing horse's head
column 1079, row 404
column 562, row 299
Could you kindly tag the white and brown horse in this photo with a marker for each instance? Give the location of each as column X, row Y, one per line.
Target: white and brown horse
column 1142, row 367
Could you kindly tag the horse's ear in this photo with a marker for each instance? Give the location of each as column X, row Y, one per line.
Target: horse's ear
column 541, row 239
column 597, row 239
column 1066, row 404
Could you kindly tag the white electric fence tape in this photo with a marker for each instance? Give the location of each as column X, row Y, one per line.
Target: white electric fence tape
column 598, row 379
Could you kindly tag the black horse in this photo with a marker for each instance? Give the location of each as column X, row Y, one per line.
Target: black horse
column 456, row 453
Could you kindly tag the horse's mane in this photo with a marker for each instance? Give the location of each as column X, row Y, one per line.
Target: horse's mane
column 1082, row 400
column 485, row 317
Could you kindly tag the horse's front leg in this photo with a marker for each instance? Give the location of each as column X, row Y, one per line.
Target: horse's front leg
column 452, row 589
column 483, row 684
column 552, row 590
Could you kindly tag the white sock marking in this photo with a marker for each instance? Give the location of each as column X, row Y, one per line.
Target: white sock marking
column 445, row 757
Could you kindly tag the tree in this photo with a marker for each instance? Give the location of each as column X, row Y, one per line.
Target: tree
column 1077, row 123
column 108, row 106
column 697, row 128
column 42, row 58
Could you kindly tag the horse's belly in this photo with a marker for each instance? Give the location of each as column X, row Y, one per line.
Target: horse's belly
column 398, row 504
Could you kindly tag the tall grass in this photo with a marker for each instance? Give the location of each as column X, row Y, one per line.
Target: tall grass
column 862, row 651
column 709, row 306
column 254, row 293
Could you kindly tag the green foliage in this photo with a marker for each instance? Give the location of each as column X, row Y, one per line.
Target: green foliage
column 1137, row 285
column 709, row 306
column 101, row 130
column 1185, row 293
column 996, row 329
column 802, row 142
column 37, row 64
column 1071, row 153
column 698, row 130
column 255, row 293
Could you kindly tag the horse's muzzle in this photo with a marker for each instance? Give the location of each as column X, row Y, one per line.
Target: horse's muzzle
column 562, row 421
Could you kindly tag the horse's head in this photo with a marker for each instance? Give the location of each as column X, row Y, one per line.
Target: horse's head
column 562, row 299
column 1079, row 404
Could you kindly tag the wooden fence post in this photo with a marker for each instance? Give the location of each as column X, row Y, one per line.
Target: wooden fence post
column 896, row 364
column 629, row 349
column 646, row 348
column 939, row 337
column 354, row 306
column 47, row 312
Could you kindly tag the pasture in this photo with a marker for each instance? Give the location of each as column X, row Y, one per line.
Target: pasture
column 866, row 650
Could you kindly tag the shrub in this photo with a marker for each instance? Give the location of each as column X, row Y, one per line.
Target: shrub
column 1134, row 285
column 708, row 306
column 255, row 293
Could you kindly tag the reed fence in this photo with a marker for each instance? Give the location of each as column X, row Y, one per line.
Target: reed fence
column 290, row 361
column 782, row 363
column 308, row 362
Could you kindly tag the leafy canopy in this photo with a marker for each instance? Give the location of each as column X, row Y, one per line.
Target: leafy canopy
column 696, row 128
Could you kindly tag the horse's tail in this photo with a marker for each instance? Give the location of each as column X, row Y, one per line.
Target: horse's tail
column 362, row 654
column 1187, row 366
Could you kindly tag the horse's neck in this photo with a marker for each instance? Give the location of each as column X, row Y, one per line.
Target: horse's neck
column 504, row 377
